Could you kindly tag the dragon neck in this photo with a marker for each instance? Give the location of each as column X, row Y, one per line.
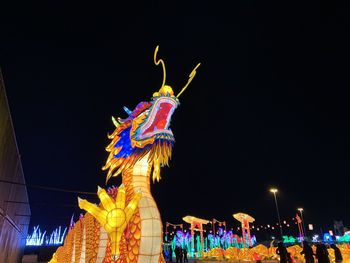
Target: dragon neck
column 138, row 179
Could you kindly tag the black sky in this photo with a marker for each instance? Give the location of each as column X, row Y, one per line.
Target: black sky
column 268, row 107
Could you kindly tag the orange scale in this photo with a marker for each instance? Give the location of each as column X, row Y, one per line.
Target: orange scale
column 133, row 228
column 135, row 250
column 136, row 219
column 137, row 234
column 132, row 242
column 131, row 256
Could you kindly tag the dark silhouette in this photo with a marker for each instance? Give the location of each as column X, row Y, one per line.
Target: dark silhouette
column 185, row 254
column 282, row 252
column 325, row 252
column 308, row 253
column 177, row 254
column 337, row 254
column 322, row 253
column 180, row 254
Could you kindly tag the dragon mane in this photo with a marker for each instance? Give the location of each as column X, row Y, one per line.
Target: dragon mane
column 124, row 153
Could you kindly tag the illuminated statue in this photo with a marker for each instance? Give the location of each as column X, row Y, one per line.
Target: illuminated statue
column 126, row 226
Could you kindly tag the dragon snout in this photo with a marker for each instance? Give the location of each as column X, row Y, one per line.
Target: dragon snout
column 115, row 256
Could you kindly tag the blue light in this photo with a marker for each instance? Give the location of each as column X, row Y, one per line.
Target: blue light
column 125, row 143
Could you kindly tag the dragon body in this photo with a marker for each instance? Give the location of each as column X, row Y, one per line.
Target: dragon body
column 126, row 226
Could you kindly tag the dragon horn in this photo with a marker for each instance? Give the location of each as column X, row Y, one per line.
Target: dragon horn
column 157, row 63
column 115, row 122
column 191, row 76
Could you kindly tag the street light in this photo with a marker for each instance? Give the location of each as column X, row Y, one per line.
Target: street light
column 302, row 219
column 274, row 191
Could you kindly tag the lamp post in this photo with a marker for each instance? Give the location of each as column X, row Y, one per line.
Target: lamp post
column 302, row 219
column 274, row 191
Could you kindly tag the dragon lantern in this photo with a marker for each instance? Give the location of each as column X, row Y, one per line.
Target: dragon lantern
column 126, row 226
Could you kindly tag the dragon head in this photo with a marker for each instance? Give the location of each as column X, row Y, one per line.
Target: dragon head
column 146, row 130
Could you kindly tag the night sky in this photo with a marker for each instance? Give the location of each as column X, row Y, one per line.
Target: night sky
column 269, row 105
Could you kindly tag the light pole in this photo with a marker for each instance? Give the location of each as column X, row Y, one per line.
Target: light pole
column 213, row 225
column 274, row 191
column 302, row 219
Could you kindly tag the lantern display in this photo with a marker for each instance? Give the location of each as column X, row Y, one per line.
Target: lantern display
column 128, row 223
column 245, row 219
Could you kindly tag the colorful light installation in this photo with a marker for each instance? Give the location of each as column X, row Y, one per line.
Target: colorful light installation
column 245, row 219
column 289, row 239
column 327, row 238
column 38, row 238
column 343, row 239
column 196, row 224
column 225, row 240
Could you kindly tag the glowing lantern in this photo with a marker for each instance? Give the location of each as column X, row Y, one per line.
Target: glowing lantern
column 245, row 219
column 196, row 224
